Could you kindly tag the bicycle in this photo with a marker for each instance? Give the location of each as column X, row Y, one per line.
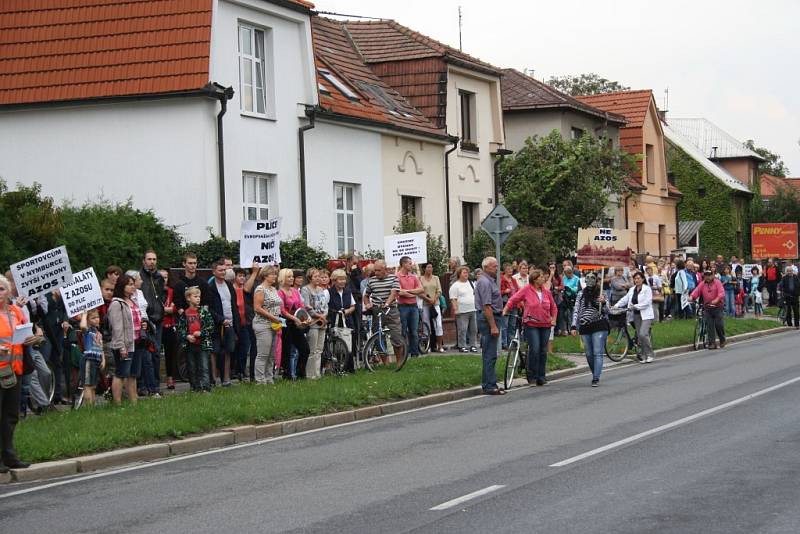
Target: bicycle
column 427, row 332
column 375, row 353
column 515, row 357
column 699, row 340
column 335, row 353
column 620, row 342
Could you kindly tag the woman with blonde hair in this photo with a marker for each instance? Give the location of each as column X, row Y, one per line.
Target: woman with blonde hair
column 315, row 300
column 294, row 333
column 266, row 324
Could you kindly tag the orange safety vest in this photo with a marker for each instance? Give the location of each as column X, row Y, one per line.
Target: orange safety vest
column 7, row 334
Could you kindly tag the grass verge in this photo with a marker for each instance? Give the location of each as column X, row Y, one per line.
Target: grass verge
column 73, row 433
column 675, row 333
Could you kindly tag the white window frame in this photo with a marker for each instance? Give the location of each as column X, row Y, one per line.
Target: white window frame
column 262, row 190
column 347, row 235
column 257, row 66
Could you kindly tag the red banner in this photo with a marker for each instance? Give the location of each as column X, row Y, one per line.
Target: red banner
column 774, row 240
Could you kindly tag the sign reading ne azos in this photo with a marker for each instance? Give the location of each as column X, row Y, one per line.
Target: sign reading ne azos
column 83, row 293
column 260, row 242
column 43, row 273
column 609, row 247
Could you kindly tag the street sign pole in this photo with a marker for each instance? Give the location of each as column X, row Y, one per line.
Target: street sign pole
column 497, row 235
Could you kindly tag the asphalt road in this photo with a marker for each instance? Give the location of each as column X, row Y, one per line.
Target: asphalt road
column 706, row 442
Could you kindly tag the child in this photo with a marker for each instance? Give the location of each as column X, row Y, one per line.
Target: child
column 195, row 327
column 756, row 286
column 93, row 360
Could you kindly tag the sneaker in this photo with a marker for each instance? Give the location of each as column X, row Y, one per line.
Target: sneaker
column 649, row 359
column 595, row 383
column 226, row 384
column 722, row 344
column 464, row 349
column 473, row 349
column 156, row 395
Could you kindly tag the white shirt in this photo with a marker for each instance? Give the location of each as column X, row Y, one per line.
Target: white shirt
column 225, row 297
column 465, row 294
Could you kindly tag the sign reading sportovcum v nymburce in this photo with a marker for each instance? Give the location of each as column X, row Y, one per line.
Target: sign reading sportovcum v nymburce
column 260, row 242
column 43, row 273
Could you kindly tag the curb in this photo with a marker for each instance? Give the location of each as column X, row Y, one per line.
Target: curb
column 245, row 433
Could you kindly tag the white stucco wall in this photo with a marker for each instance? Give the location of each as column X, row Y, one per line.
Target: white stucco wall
column 341, row 154
column 266, row 145
column 161, row 154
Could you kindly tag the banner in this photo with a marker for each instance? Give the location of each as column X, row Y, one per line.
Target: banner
column 83, row 293
column 609, row 247
column 414, row 245
column 43, row 273
column 747, row 270
column 260, row 242
column 774, row 240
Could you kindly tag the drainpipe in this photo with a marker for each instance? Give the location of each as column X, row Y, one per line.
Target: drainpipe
column 499, row 157
column 301, row 139
column 625, row 209
column 453, row 140
column 223, row 94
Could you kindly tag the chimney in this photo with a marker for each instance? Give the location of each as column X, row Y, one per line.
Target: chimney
column 714, row 152
column 662, row 114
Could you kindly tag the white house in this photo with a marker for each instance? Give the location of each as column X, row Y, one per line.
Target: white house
column 190, row 108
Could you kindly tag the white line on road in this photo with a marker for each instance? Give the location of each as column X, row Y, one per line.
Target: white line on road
column 673, row 424
column 465, row 498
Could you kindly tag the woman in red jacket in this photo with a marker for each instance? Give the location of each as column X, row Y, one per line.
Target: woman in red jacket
column 539, row 317
column 508, row 286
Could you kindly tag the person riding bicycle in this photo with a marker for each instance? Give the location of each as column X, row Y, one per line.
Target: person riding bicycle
column 381, row 292
column 713, row 295
column 639, row 303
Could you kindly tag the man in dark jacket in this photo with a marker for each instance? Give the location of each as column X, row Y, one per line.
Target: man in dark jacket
column 189, row 279
column 225, row 311
column 789, row 286
column 153, row 289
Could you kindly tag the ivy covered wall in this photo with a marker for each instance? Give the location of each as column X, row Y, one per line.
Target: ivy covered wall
column 706, row 198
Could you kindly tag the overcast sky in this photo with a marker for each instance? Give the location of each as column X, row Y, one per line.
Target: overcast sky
column 734, row 62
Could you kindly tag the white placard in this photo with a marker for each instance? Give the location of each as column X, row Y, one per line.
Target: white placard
column 21, row 333
column 747, row 270
column 260, row 242
column 414, row 245
column 43, row 273
column 83, row 293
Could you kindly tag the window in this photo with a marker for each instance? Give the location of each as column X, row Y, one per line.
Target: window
column 662, row 240
column 344, row 198
column 336, row 82
column 640, row 238
column 576, row 133
column 255, row 196
column 252, row 71
column 650, row 161
column 469, row 219
column 411, row 206
column 469, row 139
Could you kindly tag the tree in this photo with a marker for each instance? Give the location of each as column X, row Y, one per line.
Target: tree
column 774, row 164
column 437, row 252
column 524, row 243
column 31, row 223
column 585, row 84
column 562, row 185
column 784, row 207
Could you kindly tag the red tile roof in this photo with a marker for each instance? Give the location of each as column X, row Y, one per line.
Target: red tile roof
column 630, row 104
column 386, row 40
column 58, row 50
column 375, row 101
column 770, row 185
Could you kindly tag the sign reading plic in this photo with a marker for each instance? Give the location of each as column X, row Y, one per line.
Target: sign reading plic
column 83, row 293
column 43, row 273
column 260, row 242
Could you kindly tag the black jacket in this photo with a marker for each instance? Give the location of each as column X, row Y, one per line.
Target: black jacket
column 215, row 305
column 182, row 285
column 336, row 303
column 790, row 286
column 153, row 289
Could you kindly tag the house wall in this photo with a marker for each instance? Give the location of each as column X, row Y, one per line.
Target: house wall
column 412, row 168
column 471, row 173
column 743, row 169
column 342, row 154
column 266, row 145
column 520, row 125
column 161, row 155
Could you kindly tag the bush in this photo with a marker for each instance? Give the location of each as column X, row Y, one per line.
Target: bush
column 530, row 244
column 297, row 253
column 212, row 249
column 31, row 223
column 437, row 252
column 479, row 246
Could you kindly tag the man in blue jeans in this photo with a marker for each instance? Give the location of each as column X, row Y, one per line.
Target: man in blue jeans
column 410, row 289
column 489, row 306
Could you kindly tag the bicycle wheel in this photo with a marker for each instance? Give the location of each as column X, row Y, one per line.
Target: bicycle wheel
column 617, row 344
column 511, row 363
column 699, row 335
column 51, row 391
column 424, row 339
column 371, row 354
column 401, row 362
column 77, row 398
column 339, row 356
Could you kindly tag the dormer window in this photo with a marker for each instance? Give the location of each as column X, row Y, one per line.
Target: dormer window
column 336, row 82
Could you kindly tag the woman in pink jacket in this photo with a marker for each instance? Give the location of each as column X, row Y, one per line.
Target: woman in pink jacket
column 539, row 317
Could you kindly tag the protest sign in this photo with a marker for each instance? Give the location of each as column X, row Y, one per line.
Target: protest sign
column 260, row 242
column 83, row 293
column 608, row 247
column 747, row 270
column 413, row 245
column 43, row 273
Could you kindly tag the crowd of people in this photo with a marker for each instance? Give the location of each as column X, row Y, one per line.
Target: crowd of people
column 264, row 323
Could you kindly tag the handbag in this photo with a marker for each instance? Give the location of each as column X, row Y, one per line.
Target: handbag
column 341, row 331
column 442, row 303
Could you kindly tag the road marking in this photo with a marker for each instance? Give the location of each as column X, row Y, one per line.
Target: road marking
column 673, row 424
column 467, row 497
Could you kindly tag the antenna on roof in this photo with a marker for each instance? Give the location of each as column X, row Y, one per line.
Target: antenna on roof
column 459, row 29
column 666, row 99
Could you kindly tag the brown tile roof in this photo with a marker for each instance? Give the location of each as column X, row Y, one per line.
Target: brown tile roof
column 386, row 40
column 375, row 100
column 630, row 104
column 57, row 50
column 522, row 92
column 770, row 185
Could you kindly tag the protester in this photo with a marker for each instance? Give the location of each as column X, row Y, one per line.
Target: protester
column 656, row 286
column 155, row 295
column 570, row 287
column 728, row 284
column 147, row 383
column 539, row 317
column 410, row 290
column 508, row 287
column 125, row 322
column 294, row 343
column 169, row 339
column 11, row 369
column 431, row 308
column 590, row 320
column 189, row 279
column 712, row 294
column 266, row 324
column 224, row 310
column 113, row 272
column 246, row 351
column 639, row 303
column 772, row 277
column 619, row 285
column 521, row 278
column 195, row 330
column 315, row 300
column 381, row 293
column 789, row 287
column 756, row 289
column 489, row 304
column 462, row 297
column 92, row 362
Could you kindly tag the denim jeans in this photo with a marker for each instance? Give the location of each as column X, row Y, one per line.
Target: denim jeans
column 502, row 324
column 537, row 338
column 489, row 353
column 730, row 303
column 243, row 345
column 197, row 362
column 147, row 377
column 509, row 330
column 595, row 347
column 409, row 324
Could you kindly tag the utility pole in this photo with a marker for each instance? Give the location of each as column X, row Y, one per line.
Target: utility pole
column 459, row 29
